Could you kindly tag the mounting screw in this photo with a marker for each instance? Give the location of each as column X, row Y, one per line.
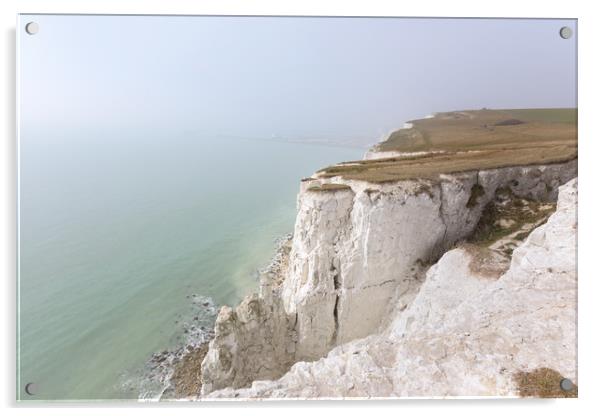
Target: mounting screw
column 566, row 32
column 566, row 384
column 32, row 28
column 31, row 388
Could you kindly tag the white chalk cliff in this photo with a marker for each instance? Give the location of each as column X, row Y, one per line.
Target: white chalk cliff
column 357, row 311
column 466, row 333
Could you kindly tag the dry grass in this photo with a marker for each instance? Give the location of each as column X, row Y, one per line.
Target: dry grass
column 470, row 130
column 542, row 382
column 485, row 262
column 431, row 166
column 469, row 140
column 328, row 187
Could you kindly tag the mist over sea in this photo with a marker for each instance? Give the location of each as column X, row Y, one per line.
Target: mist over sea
column 119, row 229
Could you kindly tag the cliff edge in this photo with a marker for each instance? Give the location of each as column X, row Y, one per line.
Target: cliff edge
column 367, row 293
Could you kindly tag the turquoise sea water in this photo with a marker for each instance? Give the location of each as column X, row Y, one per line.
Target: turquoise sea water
column 118, row 229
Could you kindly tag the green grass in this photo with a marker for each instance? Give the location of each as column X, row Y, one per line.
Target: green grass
column 488, row 230
column 548, row 115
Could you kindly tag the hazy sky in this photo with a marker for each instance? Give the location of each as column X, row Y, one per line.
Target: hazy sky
column 293, row 77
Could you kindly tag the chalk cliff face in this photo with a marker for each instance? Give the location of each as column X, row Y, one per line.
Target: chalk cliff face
column 467, row 332
column 354, row 251
column 356, row 269
column 256, row 340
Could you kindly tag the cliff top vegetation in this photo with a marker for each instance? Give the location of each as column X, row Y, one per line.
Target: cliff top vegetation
column 469, row 140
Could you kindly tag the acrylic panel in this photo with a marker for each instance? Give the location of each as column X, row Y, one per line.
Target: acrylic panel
column 231, row 207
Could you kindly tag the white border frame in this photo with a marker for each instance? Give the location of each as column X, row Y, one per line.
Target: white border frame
column 589, row 68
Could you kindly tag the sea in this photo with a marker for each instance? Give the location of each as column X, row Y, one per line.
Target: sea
column 125, row 237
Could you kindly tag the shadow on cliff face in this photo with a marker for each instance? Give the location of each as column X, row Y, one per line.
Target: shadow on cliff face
column 508, row 219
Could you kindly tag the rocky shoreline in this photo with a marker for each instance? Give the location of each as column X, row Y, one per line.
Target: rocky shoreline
column 176, row 374
column 164, row 374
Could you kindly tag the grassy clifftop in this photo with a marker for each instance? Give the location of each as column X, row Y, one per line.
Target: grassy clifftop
column 468, row 140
